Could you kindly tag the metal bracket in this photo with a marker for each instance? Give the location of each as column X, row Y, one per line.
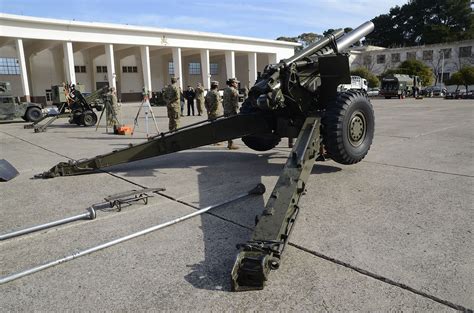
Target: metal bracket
column 128, row 197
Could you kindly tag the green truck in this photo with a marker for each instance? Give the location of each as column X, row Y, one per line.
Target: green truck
column 400, row 86
column 11, row 108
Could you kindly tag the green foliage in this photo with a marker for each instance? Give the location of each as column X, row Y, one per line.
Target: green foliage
column 455, row 79
column 372, row 80
column 464, row 77
column 413, row 67
column 423, row 22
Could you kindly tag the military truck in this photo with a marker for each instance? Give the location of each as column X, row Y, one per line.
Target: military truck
column 11, row 108
column 399, row 85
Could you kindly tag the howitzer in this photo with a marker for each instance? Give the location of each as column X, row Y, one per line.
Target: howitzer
column 296, row 97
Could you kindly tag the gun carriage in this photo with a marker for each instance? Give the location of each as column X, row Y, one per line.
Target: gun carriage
column 295, row 98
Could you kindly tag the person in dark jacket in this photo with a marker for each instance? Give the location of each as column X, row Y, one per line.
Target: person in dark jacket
column 190, row 94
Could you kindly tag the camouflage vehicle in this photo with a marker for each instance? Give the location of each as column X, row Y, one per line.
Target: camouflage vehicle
column 11, row 108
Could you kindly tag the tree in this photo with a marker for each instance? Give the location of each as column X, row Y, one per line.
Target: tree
column 414, row 67
column 423, row 22
column 464, row 77
column 372, row 80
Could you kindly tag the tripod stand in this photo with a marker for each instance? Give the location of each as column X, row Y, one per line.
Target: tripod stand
column 109, row 110
column 145, row 105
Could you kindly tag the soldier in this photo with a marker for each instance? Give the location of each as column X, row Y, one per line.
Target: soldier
column 199, row 98
column 112, row 109
column 231, row 104
column 213, row 101
column 172, row 98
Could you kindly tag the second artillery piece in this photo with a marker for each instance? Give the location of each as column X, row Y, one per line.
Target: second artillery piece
column 296, row 97
column 72, row 104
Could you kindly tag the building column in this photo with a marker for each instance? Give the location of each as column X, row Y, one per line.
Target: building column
column 272, row 58
column 205, row 69
column 230, row 63
column 145, row 54
column 24, row 75
column 109, row 58
column 69, row 59
column 177, row 65
column 252, row 68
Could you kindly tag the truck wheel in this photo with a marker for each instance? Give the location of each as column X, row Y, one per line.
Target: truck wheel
column 33, row 114
column 348, row 127
column 261, row 142
column 88, row 118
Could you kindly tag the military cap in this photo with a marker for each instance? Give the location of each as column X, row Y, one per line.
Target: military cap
column 174, row 80
column 214, row 83
column 233, row 80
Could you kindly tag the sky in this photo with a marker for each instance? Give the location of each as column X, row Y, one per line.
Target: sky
column 253, row 18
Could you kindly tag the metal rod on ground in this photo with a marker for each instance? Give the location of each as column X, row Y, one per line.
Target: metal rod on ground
column 258, row 190
column 90, row 215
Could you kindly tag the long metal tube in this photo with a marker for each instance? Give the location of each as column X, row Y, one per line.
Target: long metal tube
column 90, row 215
column 323, row 42
column 258, row 190
column 353, row 36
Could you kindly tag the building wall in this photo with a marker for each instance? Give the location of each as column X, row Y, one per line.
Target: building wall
column 428, row 54
column 242, row 70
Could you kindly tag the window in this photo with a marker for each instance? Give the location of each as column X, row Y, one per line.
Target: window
column 465, row 52
column 446, row 52
column 411, row 55
column 445, row 77
column 367, row 59
column 194, row 68
column 395, row 57
column 9, row 66
column 79, row 68
column 381, row 59
column 101, row 69
column 428, row 55
column 49, row 95
column 129, row 69
column 214, row 68
column 171, row 68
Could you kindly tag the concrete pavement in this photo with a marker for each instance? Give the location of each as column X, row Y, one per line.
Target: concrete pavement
column 391, row 233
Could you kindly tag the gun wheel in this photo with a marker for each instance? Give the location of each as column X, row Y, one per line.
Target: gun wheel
column 88, row 118
column 348, row 127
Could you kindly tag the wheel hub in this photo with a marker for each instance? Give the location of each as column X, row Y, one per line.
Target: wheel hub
column 357, row 129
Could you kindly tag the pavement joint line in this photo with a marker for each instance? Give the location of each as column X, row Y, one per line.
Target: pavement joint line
column 418, row 169
column 314, row 253
column 383, row 279
column 332, row 260
column 33, row 144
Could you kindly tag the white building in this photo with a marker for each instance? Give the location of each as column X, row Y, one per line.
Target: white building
column 444, row 59
column 36, row 53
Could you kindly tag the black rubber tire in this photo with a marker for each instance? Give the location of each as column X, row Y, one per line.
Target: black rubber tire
column 348, row 127
column 263, row 142
column 33, row 114
column 88, row 118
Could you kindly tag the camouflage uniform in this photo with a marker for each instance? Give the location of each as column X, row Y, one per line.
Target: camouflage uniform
column 231, row 101
column 231, row 105
column 200, row 99
column 172, row 98
column 112, row 109
column 213, row 103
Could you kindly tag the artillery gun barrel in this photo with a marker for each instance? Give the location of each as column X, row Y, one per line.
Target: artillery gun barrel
column 311, row 49
column 341, row 42
column 353, row 36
